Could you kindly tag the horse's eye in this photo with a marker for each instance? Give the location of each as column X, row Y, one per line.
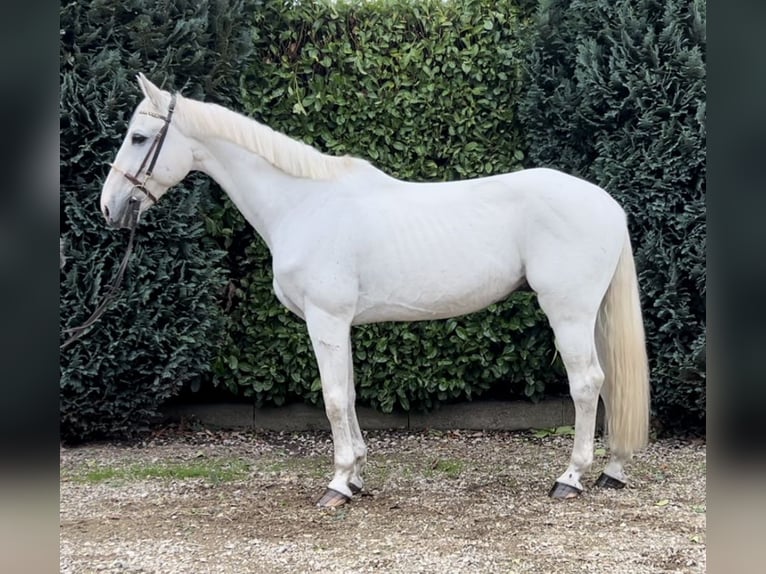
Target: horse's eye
column 138, row 139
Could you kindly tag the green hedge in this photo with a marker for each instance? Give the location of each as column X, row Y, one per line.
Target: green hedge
column 426, row 91
column 617, row 94
column 163, row 330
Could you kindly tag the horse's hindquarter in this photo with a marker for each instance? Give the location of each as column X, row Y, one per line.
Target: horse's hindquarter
column 574, row 236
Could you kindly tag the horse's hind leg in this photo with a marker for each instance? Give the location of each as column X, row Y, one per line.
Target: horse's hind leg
column 613, row 475
column 575, row 342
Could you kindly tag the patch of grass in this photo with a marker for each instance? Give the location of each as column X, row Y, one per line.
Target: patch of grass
column 213, row 470
column 450, row 468
column 274, row 467
column 381, row 471
column 315, row 466
column 99, row 474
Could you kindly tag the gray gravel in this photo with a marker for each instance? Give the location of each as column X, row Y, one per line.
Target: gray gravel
column 434, row 502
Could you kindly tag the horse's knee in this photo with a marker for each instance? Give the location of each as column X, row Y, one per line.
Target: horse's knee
column 334, row 411
column 585, row 390
column 335, row 403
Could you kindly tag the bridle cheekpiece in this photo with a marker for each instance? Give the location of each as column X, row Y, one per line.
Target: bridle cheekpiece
column 151, row 155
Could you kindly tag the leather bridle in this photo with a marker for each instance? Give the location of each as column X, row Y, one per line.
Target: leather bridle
column 134, row 206
column 151, row 156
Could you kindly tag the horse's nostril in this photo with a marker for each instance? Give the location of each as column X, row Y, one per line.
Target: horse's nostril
column 106, row 212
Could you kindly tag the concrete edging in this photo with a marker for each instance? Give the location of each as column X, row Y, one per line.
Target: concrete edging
column 511, row 415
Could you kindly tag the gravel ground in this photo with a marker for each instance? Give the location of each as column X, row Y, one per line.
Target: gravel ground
column 198, row 502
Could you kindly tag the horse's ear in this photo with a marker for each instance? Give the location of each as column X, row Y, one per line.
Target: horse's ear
column 152, row 92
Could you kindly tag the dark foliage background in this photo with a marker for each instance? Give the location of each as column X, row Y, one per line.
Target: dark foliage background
column 617, row 95
column 162, row 332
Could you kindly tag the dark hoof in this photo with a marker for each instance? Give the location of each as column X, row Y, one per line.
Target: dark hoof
column 354, row 488
column 606, row 481
column 564, row 491
column 332, row 499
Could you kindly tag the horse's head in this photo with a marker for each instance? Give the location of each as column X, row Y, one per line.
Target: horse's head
column 154, row 157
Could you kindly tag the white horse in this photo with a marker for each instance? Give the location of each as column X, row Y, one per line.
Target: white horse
column 352, row 245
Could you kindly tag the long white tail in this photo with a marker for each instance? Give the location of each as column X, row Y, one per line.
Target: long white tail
column 622, row 353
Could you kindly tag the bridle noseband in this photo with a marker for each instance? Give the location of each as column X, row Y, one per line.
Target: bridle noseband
column 151, row 155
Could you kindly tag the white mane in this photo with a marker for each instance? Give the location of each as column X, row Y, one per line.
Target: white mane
column 291, row 156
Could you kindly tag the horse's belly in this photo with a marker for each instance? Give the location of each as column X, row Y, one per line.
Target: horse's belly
column 422, row 296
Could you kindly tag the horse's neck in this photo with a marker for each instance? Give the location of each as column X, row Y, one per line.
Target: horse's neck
column 261, row 192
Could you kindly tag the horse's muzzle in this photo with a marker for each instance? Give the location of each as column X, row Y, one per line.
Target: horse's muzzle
column 128, row 219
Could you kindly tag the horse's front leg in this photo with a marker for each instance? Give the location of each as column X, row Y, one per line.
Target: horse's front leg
column 330, row 338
